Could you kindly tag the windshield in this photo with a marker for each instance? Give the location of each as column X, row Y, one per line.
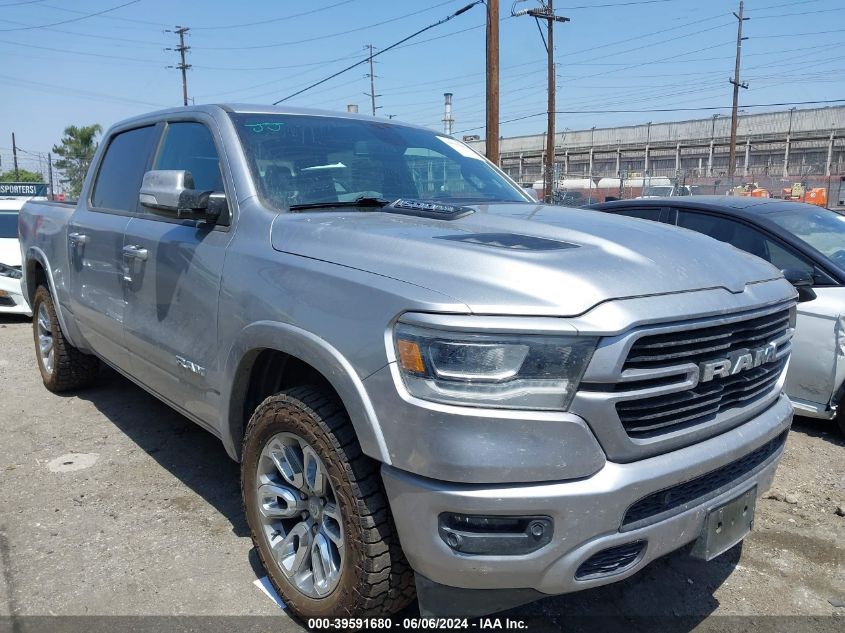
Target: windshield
column 8, row 225
column 822, row 229
column 660, row 192
column 305, row 160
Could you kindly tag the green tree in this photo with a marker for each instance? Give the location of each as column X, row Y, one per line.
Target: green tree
column 24, row 175
column 75, row 154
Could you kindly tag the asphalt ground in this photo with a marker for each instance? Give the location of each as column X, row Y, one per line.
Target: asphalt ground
column 112, row 505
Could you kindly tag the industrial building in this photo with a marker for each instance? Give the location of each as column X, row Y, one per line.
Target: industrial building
column 772, row 148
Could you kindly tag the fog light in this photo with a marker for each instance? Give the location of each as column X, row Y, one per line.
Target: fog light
column 494, row 535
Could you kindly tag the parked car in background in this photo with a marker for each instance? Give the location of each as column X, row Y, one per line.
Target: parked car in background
column 665, row 191
column 791, row 236
column 569, row 198
column 11, row 297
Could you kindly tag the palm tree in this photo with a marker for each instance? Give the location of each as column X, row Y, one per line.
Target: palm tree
column 76, row 152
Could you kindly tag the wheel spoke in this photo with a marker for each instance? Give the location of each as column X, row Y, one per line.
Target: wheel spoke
column 279, row 502
column 289, row 464
column 44, row 321
column 331, row 525
column 292, row 550
column 323, row 565
column 315, row 476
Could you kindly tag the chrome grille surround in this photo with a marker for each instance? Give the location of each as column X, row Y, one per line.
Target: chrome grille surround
column 649, row 399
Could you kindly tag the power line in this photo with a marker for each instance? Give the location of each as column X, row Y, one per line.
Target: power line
column 325, row 35
column 382, row 51
column 84, row 17
column 272, row 20
column 158, row 25
column 15, row 4
column 55, row 91
column 86, row 54
column 615, row 4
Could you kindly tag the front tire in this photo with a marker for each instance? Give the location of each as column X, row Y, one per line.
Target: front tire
column 317, row 510
column 62, row 366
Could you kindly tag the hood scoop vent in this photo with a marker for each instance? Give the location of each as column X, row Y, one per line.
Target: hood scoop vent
column 510, row 241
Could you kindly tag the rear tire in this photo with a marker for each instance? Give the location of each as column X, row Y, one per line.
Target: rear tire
column 62, row 366
column 290, row 438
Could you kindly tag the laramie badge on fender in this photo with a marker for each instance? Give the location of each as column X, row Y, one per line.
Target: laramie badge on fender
column 737, row 362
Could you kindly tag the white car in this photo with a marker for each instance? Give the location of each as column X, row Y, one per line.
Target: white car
column 11, row 297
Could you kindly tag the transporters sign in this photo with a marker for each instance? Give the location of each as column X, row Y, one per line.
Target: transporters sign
column 30, row 189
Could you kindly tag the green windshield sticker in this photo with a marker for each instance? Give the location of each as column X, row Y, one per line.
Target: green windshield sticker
column 269, row 126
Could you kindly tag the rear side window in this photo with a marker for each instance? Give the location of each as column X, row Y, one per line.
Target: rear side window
column 189, row 146
column 122, row 170
column 744, row 237
column 643, row 214
column 8, row 225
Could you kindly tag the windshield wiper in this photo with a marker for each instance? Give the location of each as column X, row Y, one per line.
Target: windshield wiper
column 361, row 201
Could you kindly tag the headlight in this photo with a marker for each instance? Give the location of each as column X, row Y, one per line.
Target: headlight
column 8, row 271
column 491, row 370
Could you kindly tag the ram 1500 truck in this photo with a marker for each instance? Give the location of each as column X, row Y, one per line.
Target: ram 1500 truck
column 432, row 382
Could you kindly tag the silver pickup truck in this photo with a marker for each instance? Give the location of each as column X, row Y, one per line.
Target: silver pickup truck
column 432, row 383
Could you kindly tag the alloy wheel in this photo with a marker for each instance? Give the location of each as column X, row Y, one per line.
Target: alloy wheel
column 300, row 516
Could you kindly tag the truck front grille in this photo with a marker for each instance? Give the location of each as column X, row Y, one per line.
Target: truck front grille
column 706, row 343
column 660, row 414
column 676, row 410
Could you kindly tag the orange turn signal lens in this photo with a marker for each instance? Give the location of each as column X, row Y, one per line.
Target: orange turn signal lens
column 410, row 356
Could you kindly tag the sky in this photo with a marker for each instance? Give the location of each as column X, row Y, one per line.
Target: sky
column 63, row 66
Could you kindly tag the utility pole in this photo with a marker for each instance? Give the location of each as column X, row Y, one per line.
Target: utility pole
column 183, row 65
column 50, row 173
column 491, row 143
column 15, row 155
column 546, row 12
column 737, row 85
column 372, row 93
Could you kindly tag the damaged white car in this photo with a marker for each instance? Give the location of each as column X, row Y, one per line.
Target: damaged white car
column 11, row 298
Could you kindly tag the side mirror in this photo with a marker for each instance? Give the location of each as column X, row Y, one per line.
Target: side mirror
column 170, row 192
column 803, row 282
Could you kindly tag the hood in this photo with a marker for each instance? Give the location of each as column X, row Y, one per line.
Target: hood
column 10, row 251
column 523, row 258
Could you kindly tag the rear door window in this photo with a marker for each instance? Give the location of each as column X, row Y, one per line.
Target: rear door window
column 122, row 170
column 644, row 213
column 744, row 237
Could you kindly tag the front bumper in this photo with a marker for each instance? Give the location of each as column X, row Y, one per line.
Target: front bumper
column 11, row 297
column 587, row 513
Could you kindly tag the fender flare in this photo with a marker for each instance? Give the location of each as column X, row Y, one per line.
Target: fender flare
column 34, row 253
column 320, row 355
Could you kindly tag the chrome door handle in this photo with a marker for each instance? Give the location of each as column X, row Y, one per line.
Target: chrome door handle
column 77, row 238
column 136, row 252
